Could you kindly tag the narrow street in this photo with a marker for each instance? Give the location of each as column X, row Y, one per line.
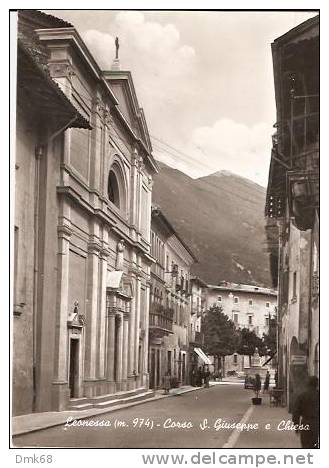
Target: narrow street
column 165, row 268
column 230, row 402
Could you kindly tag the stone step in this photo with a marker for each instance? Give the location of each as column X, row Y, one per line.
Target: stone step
column 83, row 406
column 122, row 401
column 115, row 396
column 107, row 401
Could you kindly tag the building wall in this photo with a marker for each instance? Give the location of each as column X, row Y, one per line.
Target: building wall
column 314, row 319
column 297, row 256
column 90, row 338
column 96, row 227
column 293, row 201
column 195, row 332
column 241, row 311
column 36, row 208
column 179, row 300
column 169, row 350
column 24, row 261
column 246, row 309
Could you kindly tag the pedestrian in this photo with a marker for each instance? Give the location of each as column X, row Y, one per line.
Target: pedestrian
column 166, row 382
column 257, row 384
column 266, row 382
column 206, row 378
column 193, row 377
column 200, row 377
column 306, row 414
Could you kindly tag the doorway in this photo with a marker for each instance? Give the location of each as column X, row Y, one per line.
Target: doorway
column 74, row 368
column 152, row 374
column 158, row 381
column 183, row 367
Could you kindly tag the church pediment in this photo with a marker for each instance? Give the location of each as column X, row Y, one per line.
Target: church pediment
column 122, row 86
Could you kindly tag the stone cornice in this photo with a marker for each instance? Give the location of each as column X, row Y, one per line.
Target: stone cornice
column 94, row 247
column 104, row 253
column 74, row 195
column 62, row 69
column 64, row 231
column 72, row 37
column 135, row 271
column 126, row 316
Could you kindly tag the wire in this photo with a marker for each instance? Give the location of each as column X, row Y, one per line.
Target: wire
column 168, row 148
column 183, row 156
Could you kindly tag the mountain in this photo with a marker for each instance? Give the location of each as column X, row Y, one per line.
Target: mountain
column 221, row 218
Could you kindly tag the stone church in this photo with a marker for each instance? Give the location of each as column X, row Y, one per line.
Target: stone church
column 80, row 328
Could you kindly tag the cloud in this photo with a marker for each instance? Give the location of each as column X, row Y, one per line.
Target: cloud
column 233, row 146
column 101, row 46
column 164, row 70
column 227, row 145
column 147, row 48
column 162, row 65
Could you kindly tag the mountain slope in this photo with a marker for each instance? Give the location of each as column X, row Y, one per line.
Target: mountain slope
column 221, row 217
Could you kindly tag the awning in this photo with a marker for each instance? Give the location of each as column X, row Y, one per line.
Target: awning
column 113, row 279
column 202, row 355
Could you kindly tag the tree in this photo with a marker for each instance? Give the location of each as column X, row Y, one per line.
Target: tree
column 220, row 335
column 249, row 341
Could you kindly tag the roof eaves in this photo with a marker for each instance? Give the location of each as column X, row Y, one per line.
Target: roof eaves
column 45, row 18
column 298, row 30
column 80, row 121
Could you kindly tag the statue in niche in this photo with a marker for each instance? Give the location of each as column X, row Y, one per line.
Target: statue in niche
column 120, row 250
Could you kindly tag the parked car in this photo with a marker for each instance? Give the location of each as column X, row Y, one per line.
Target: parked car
column 249, row 381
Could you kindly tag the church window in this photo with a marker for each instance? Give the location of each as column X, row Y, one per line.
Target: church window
column 113, row 189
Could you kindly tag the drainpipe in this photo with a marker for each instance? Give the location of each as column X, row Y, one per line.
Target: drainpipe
column 40, row 151
column 279, row 338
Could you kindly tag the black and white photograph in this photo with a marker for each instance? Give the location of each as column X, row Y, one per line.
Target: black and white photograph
column 164, row 175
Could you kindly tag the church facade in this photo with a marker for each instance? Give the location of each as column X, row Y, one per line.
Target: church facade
column 90, row 316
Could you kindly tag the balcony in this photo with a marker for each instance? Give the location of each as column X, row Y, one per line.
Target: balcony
column 160, row 320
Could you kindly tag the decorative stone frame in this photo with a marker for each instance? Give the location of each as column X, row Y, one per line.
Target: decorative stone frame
column 117, row 169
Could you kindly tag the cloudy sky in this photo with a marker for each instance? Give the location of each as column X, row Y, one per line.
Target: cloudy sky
column 204, row 79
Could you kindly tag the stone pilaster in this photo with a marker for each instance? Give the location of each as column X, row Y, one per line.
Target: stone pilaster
column 60, row 382
column 125, row 348
column 134, row 193
column 139, row 199
column 110, row 345
column 146, row 338
column 92, row 314
column 137, row 319
column 119, row 350
column 131, row 338
column 102, row 314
